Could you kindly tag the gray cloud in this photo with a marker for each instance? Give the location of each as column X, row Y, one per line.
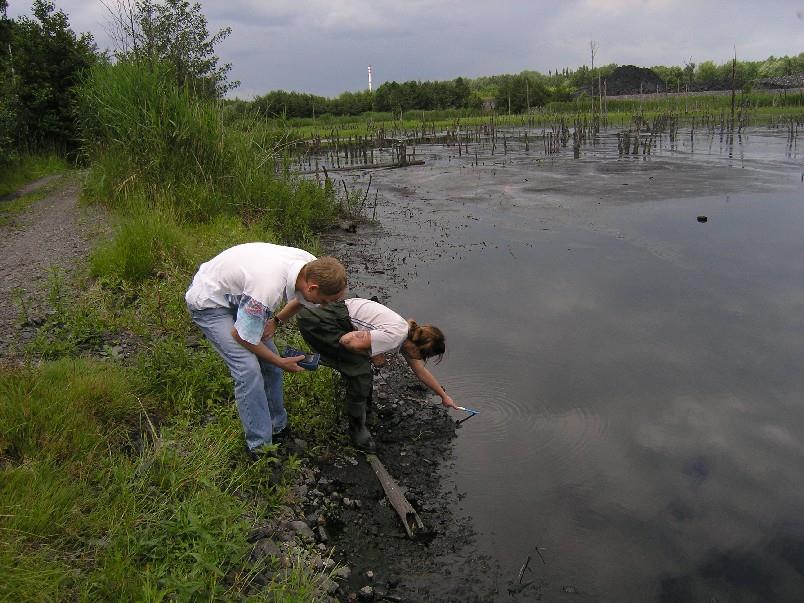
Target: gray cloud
column 324, row 47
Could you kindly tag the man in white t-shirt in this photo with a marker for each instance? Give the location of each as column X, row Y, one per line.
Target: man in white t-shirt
column 233, row 298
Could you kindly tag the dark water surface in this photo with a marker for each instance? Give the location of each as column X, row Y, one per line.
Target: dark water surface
column 640, row 374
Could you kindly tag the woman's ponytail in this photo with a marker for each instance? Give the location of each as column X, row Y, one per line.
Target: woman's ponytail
column 428, row 339
column 414, row 330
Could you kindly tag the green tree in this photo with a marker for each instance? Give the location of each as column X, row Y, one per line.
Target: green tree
column 174, row 32
column 708, row 77
column 44, row 60
column 461, row 93
column 388, row 97
column 8, row 114
column 673, row 77
column 689, row 72
column 349, row 103
column 520, row 92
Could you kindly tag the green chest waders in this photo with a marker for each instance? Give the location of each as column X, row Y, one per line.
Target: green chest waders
column 322, row 329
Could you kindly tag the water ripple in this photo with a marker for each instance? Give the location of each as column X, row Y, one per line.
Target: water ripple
column 519, row 430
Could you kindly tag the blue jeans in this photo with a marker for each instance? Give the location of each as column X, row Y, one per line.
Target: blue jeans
column 258, row 384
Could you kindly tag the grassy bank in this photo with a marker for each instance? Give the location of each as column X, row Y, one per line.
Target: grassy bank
column 124, row 473
column 154, row 146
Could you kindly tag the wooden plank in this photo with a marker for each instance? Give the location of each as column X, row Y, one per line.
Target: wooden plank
column 410, row 519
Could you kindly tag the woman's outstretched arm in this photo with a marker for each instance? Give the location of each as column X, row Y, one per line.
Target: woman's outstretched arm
column 426, row 377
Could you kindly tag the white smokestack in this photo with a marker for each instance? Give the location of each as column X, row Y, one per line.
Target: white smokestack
column 369, row 70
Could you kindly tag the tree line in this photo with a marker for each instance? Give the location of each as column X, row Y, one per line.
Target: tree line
column 512, row 92
column 41, row 61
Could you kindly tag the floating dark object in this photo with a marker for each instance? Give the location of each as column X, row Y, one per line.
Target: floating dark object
column 702, row 219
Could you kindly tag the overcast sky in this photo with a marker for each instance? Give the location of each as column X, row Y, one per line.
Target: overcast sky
column 325, row 46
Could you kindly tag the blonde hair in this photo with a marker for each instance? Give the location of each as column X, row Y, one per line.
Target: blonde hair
column 428, row 339
column 328, row 273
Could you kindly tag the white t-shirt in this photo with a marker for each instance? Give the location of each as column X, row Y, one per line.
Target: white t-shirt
column 255, row 278
column 388, row 329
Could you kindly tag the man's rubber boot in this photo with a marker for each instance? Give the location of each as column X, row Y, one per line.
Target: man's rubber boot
column 361, row 437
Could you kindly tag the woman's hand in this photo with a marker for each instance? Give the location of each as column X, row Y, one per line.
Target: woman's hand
column 379, row 360
column 447, row 401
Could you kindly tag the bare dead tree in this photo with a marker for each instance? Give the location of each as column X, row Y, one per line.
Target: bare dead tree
column 122, row 25
column 733, row 78
column 593, row 50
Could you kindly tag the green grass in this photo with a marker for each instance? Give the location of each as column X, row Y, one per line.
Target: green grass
column 97, row 504
column 135, row 296
column 127, row 479
column 142, row 246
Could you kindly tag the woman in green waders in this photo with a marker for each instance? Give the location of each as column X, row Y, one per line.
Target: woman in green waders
column 354, row 334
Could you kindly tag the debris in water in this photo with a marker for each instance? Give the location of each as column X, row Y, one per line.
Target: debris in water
column 524, row 567
column 702, row 219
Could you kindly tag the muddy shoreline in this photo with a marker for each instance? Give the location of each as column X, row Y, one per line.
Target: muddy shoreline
column 343, row 502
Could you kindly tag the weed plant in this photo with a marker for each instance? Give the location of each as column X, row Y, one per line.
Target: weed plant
column 144, row 244
column 154, row 146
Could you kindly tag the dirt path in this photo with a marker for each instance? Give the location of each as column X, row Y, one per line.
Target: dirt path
column 50, row 237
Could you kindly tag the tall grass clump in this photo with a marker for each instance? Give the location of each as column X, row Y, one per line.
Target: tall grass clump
column 65, row 410
column 143, row 245
column 154, row 145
